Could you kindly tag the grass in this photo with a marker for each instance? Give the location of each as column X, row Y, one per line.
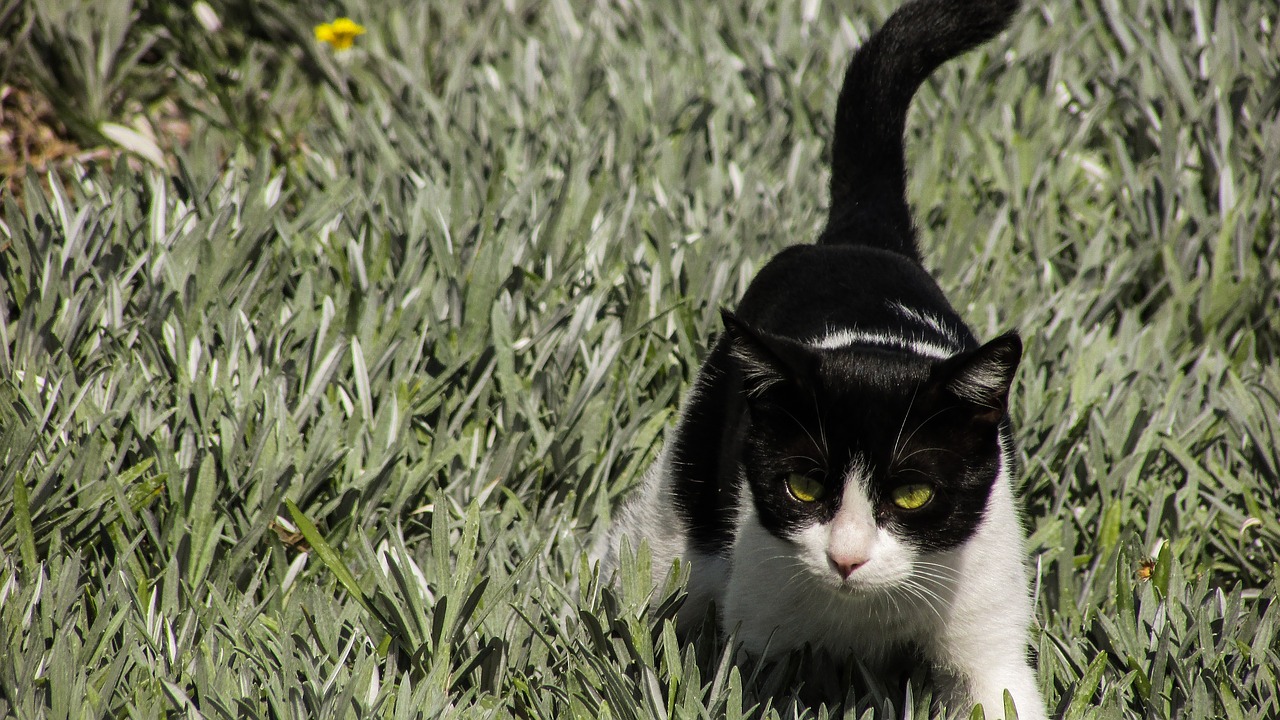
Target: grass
column 316, row 414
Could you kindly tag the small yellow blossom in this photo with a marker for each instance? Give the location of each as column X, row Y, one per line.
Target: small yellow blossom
column 340, row 33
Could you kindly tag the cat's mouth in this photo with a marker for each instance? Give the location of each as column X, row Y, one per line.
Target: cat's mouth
column 864, row 582
column 846, row 587
column 854, row 585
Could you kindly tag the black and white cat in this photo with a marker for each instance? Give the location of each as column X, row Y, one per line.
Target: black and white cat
column 841, row 474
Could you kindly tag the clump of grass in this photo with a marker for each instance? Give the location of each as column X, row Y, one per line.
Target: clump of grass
column 319, row 415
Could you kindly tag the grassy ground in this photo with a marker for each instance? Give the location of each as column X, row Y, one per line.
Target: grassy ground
column 313, row 412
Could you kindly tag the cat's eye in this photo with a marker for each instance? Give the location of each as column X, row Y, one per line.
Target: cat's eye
column 805, row 489
column 913, row 496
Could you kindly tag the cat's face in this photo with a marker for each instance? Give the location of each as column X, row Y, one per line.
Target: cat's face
column 864, row 460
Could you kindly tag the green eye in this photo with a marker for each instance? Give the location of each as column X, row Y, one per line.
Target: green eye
column 805, row 489
column 912, row 497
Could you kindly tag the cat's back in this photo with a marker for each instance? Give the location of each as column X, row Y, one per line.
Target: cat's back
column 807, row 292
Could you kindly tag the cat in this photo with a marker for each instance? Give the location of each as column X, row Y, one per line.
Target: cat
column 841, row 473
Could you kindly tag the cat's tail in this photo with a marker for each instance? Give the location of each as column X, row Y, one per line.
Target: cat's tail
column 868, row 172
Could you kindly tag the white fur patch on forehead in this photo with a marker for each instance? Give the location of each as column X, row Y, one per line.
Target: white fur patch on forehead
column 926, row 319
column 924, row 333
column 850, row 337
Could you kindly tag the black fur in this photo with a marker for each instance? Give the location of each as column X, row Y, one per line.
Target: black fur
column 768, row 402
column 893, row 414
column 868, row 169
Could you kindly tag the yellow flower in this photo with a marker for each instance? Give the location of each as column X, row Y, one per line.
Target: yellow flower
column 340, row 33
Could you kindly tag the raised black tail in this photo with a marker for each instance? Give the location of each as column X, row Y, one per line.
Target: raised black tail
column 868, row 172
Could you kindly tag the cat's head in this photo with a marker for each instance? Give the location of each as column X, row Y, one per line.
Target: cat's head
column 865, row 459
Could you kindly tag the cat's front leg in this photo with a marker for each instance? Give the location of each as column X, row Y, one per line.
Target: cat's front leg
column 985, row 685
column 976, row 661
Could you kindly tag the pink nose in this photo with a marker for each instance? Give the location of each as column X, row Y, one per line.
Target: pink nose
column 846, row 565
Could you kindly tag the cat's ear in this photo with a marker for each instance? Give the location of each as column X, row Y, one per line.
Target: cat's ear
column 982, row 377
column 764, row 360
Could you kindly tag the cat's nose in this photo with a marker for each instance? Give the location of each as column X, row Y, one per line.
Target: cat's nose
column 846, row 564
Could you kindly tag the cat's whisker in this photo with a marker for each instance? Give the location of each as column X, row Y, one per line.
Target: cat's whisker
column 921, row 592
column 927, row 449
column 822, row 428
column 903, row 426
column 810, row 458
column 931, row 564
column 920, row 427
column 938, row 584
column 932, row 583
column 792, row 562
column 812, row 439
column 897, row 606
column 938, row 580
column 925, row 596
column 938, row 572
